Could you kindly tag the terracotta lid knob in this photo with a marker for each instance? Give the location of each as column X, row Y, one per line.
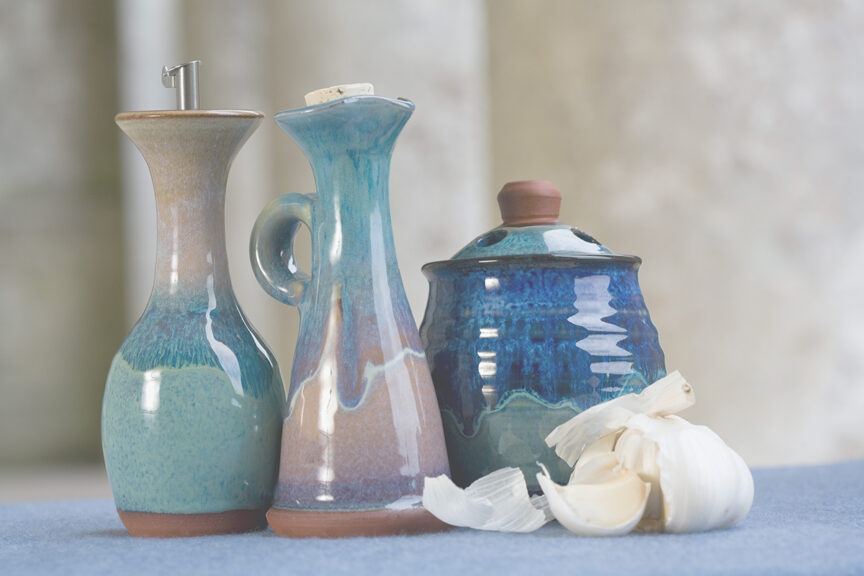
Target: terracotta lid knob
column 529, row 202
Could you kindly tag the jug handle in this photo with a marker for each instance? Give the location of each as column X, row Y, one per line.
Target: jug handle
column 271, row 247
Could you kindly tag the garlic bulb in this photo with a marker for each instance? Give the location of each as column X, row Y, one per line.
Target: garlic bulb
column 699, row 482
column 498, row 501
column 696, row 481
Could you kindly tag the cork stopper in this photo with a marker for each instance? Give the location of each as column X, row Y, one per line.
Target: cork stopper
column 336, row 92
column 529, row 203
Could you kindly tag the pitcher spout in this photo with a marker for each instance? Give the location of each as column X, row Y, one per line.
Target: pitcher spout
column 363, row 123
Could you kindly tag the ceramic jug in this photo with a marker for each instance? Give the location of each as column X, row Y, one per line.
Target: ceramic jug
column 526, row 326
column 362, row 427
column 193, row 405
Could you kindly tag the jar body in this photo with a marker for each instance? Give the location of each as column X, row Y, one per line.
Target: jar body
column 519, row 345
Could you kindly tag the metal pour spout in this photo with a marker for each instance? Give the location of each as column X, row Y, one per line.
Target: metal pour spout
column 183, row 77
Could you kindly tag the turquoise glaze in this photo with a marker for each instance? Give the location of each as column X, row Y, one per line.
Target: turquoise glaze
column 553, row 239
column 193, row 403
column 362, row 428
column 524, row 328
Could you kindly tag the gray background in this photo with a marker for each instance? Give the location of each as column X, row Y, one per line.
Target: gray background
column 720, row 141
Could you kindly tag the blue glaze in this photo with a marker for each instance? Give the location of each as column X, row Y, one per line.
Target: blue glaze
column 193, row 403
column 350, row 142
column 205, row 332
column 519, row 344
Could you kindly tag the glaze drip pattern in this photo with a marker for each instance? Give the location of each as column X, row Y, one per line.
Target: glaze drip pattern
column 181, row 334
column 517, row 345
column 363, row 427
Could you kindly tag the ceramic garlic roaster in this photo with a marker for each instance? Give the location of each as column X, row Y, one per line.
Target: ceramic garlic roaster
column 526, row 326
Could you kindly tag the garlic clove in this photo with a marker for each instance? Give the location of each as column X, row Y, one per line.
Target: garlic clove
column 668, row 395
column 636, row 453
column 595, row 469
column 602, row 445
column 597, row 462
column 703, row 484
column 609, row 508
column 498, row 501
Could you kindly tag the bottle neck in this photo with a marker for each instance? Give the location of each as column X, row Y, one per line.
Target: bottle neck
column 189, row 153
column 353, row 210
column 191, row 260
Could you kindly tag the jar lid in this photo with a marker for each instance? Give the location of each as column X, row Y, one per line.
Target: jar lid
column 529, row 211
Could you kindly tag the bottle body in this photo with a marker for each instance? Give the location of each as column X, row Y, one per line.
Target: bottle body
column 181, row 433
column 194, row 401
column 362, row 427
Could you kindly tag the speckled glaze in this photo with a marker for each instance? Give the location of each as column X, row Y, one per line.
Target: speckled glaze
column 554, row 239
column 362, row 427
column 193, row 404
column 524, row 328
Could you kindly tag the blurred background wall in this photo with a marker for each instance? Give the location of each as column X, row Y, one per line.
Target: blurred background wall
column 719, row 141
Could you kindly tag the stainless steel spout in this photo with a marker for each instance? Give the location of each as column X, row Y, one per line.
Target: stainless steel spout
column 183, row 77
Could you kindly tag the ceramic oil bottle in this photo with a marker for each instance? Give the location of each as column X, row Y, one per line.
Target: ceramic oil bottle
column 362, row 426
column 526, row 326
column 193, row 404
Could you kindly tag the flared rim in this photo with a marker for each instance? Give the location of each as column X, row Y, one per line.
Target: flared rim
column 157, row 114
column 399, row 102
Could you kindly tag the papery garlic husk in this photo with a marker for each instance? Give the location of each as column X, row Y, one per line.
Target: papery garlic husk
column 498, row 501
column 668, row 395
column 609, row 502
column 697, row 482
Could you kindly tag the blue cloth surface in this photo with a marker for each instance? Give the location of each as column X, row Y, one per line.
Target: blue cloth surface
column 803, row 521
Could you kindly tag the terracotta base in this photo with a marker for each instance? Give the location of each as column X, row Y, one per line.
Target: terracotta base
column 309, row 524
column 152, row 525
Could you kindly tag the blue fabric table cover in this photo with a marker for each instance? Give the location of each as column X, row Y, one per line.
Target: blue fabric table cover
column 803, row 521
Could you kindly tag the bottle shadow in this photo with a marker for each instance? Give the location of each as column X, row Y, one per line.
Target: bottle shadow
column 115, row 533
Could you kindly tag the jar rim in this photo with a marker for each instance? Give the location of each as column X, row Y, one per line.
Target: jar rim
column 534, row 261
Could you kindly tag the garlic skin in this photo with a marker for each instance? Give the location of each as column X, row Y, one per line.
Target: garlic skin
column 669, row 395
column 450, row 504
column 498, row 501
column 612, row 505
column 698, row 483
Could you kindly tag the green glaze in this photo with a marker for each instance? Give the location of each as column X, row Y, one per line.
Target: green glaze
column 515, row 431
column 556, row 239
column 159, row 448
